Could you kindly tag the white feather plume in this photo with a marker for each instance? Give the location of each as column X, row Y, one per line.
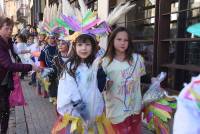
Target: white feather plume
column 77, row 13
column 59, row 10
column 67, row 8
column 83, row 7
column 51, row 13
column 118, row 12
column 46, row 14
column 55, row 11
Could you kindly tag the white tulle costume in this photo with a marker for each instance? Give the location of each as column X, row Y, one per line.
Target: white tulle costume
column 187, row 116
column 83, row 88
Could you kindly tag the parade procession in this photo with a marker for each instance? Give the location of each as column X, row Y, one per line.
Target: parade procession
column 99, row 67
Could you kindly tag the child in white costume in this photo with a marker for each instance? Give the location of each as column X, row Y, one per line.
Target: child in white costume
column 20, row 48
column 78, row 95
column 187, row 116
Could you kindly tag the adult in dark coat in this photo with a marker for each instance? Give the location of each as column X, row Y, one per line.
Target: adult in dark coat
column 7, row 67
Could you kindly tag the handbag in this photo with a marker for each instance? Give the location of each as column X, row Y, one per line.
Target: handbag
column 16, row 97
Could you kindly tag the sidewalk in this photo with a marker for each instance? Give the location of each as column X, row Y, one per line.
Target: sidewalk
column 37, row 117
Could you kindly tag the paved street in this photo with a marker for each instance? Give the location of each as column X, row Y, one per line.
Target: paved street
column 37, row 117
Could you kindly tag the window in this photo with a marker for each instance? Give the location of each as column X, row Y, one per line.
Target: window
column 179, row 48
column 141, row 20
column 159, row 34
column 92, row 4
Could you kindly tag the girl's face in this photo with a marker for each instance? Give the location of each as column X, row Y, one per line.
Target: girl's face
column 51, row 40
column 121, row 42
column 84, row 50
column 30, row 40
column 41, row 37
column 62, row 46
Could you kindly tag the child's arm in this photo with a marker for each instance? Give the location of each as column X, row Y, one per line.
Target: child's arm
column 104, row 83
column 41, row 59
column 141, row 66
column 137, row 93
column 101, row 79
column 67, row 94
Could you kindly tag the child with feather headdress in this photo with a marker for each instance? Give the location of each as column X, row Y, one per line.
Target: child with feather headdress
column 85, row 25
column 50, row 51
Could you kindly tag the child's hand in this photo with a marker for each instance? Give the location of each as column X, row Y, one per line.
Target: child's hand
column 80, row 106
column 36, row 68
column 109, row 84
column 46, row 71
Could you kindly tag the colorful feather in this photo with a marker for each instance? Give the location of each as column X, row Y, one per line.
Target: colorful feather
column 50, row 14
column 67, row 21
column 87, row 15
column 74, row 23
column 89, row 20
column 157, row 115
column 97, row 31
column 90, row 16
column 90, row 25
column 163, row 107
column 62, row 23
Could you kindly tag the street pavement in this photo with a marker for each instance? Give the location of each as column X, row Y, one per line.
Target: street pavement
column 38, row 116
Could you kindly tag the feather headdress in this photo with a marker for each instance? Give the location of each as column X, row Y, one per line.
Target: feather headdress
column 81, row 20
column 49, row 23
column 86, row 21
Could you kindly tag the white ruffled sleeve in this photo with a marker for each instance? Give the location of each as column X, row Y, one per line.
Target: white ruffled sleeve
column 67, row 92
column 137, row 100
column 141, row 66
column 137, row 90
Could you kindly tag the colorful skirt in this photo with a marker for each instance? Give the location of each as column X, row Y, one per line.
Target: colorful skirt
column 68, row 124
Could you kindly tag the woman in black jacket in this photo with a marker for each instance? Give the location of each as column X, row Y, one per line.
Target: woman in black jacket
column 7, row 66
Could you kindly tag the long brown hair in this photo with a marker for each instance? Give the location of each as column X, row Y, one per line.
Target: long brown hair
column 110, row 52
column 74, row 60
